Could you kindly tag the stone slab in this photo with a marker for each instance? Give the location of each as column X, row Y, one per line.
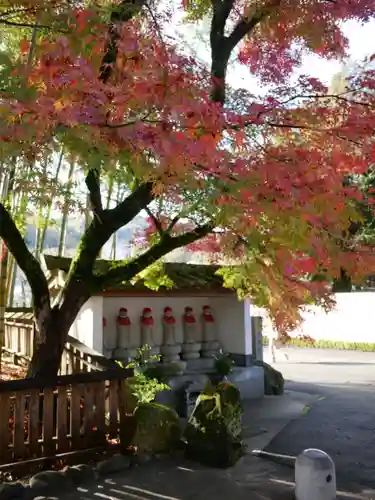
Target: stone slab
column 249, row 380
column 201, row 364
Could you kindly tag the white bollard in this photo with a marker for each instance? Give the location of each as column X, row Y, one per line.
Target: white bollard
column 315, row 476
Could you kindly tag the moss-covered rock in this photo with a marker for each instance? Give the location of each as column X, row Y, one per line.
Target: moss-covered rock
column 214, row 431
column 158, row 428
column 273, row 379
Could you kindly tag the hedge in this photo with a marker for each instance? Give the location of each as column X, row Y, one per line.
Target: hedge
column 328, row 344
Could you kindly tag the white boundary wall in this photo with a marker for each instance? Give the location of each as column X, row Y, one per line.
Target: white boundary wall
column 352, row 320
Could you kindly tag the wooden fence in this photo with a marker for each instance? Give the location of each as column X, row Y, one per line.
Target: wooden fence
column 20, row 338
column 74, row 412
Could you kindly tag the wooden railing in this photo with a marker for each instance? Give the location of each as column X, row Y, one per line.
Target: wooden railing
column 19, row 332
column 74, row 412
column 20, row 339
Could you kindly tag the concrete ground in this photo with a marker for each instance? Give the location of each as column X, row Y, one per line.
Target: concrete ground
column 329, row 404
column 174, row 478
column 342, row 419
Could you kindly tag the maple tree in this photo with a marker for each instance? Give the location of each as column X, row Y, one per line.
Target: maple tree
column 258, row 180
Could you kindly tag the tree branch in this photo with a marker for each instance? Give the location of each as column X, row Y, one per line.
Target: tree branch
column 103, row 227
column 125, row 211
column 221, row 11
column 80, row 277
column 173, row 223
column 123, row 12
column 156, row 221
column 93, row 185
column 168, row 243
column 26, row 261
column 26, row 25
column 245, row 26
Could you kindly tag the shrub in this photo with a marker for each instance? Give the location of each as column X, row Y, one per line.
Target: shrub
column 223, row 365
column 214, row 431
column 142, row 387
column 307, row 341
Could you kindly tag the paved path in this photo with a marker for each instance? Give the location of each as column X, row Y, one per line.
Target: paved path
column 178, row 479
column 342, row 422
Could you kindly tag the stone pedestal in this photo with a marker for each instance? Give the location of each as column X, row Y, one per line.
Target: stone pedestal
column 210, row 348
column 190, row 351
column 192, row 341
column 201, row 365
column 124, row 355
column 127, row 338
column 210, row 345
column 170, row 353
column 147, row 331
column 170, row 348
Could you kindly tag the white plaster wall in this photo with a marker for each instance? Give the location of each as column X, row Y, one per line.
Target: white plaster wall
column 352, row 320
column 232, row 317
column 87, row 327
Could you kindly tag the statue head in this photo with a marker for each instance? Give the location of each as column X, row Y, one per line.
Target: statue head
column 123, row 312
column 147, row 312
column 206, row 310
column 168, row 312
column 188, row 311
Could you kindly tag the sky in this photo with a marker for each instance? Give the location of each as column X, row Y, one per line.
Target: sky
column 361, row 44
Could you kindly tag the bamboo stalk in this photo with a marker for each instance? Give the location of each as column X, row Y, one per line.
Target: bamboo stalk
column 114, row 237
column 19, row 207
column 108, row 201
column 8, row 182
column 49, row 206
column 62, row 239
column 7, row 190
column 39, row 227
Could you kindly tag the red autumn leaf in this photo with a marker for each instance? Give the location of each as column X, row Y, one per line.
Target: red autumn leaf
column 24, row 46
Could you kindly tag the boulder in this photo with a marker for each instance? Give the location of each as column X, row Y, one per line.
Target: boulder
column 80, row 474
column 273, row 379
column 114, row 464
column 49, row 482
column 158, row 428
column 11, row 491
column 214, row 431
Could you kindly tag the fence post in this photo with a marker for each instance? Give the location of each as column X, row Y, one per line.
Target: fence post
column 257, row 337
column 315, row 476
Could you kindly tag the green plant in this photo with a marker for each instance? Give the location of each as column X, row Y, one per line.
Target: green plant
column 214, row 431
column 162, row 372
column 223, row 365
column 142, row 385
column 145, row 389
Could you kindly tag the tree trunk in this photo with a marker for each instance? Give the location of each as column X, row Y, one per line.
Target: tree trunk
column 51, row 335
column 46, row 360
column 4, row 259
column 343, row 283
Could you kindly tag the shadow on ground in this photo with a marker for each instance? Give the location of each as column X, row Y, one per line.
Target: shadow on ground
column 340, row 422
column 171, row 479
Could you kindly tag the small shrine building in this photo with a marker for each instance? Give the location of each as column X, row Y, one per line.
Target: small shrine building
column 188, row 323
